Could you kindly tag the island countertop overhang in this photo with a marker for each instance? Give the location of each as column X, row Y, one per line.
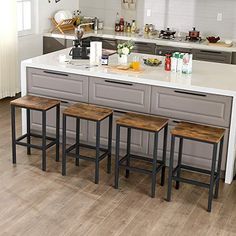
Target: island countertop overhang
column 207, row 77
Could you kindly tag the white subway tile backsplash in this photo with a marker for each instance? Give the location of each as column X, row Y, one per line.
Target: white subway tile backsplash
column 180, row 15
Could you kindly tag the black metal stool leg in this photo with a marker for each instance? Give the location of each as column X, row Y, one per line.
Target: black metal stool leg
column 44, row 140
column 109, row 144
column 171, row 168
column 77, row 151
column 179, row 161
column 13, row 130
column 127, row 171
column 28, row 131
column 212, row 177
column 64, row 145
column 58, row 133
column 164, row 156
column 218, row 168
column 117, row 156
column 154, row 165
column 97, row 152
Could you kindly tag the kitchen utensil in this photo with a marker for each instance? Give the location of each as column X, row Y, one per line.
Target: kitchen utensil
column 213, row 39
column 194, row 33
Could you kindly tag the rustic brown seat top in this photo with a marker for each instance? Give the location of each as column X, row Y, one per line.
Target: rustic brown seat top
column 33, row 102
column 198, row 132
column 143, row 122
column 88, row 111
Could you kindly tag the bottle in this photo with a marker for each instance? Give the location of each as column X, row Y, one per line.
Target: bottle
column 96, row 24
column 174, row 60
column 180, row 62
column 122, row 24
column 133, row 27
column 117, row 24
column 128, row 28
column 168, row 62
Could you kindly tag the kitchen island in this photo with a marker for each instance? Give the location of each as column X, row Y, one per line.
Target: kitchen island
column 206, row 96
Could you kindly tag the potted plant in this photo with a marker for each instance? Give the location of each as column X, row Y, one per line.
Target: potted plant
column 123, row 50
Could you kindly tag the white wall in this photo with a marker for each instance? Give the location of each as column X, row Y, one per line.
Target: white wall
column 31, row 45
column 182, row 15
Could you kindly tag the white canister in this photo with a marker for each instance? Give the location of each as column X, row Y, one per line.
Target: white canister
column 95, row 53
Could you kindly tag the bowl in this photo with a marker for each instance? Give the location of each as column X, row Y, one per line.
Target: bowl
column 213, row 39
column 151, row 61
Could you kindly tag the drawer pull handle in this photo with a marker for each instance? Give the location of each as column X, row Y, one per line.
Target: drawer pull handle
column 55, row 73
column 212, row 52
column 116, row 82
column 176, row 121
column 190, row 93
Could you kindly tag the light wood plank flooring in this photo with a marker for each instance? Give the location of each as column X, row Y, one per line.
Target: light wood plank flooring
column 34, row 203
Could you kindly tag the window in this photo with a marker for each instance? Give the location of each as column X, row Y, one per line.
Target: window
column 24, row 16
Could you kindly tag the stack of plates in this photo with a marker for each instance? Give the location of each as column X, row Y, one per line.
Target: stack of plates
column 63, row 15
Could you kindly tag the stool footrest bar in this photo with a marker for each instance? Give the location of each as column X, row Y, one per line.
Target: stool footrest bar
column 190, row 181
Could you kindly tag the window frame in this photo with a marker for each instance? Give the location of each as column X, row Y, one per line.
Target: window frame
column 29, row 31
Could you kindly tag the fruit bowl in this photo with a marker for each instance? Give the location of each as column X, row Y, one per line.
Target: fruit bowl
column 213, row 39
column 151, row 61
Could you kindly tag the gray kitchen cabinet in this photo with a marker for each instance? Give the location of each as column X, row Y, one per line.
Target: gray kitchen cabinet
column 139, row 140
column 163, row 50
column 51, row 44
column 57, row 84
column 36, row 121
column 234, row 58
column 191, row 106
column 195, row 153
column 119, row 95
column 213, row 56
column 142, row 47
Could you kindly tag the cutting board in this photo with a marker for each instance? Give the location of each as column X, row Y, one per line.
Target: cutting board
column 220, row 44
column 124, row 69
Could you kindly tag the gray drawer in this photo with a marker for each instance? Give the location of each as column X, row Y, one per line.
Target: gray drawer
column 121, row 95
column 194, row 153
column 139, row 140
column 196, row 107
column 213, row 56
column 57, row 84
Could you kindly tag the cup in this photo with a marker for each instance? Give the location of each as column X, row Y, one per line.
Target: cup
column 136, row 63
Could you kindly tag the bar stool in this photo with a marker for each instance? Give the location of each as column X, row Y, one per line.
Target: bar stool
column 91, row 113
column 38, row 104
column 200, row 133
column 146, row 123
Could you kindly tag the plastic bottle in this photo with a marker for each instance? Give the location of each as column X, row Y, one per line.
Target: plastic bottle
column 180, row 62
column 174, row 60
column 168, row 62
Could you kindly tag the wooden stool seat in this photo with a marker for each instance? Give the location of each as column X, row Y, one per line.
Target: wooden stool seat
column 142, row 122
column 198, row 132
column 88, row 112
column 35, row 103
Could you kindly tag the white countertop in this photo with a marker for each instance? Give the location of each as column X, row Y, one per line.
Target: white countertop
column 207, row 77
column 110, row 34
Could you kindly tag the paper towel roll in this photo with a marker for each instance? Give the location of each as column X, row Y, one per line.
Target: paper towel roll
column 95, row 53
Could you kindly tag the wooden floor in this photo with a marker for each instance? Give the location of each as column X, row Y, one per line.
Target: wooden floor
column 34, row 203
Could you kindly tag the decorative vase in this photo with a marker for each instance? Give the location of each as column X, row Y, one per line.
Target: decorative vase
column 122, row 59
